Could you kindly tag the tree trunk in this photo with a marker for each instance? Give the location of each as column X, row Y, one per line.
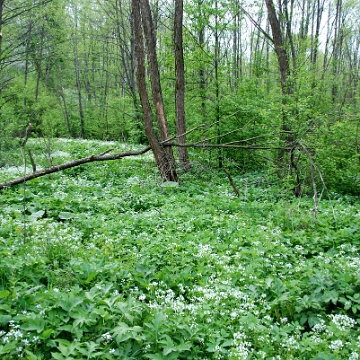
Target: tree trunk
column 180, row 86
column 217, row 84
column 63, row 104
column 202, row 78
column 337, row 49
column 126, row 43
column 1, row 23
column 77, row 76
column 287, row 135
column 164, row 160
column 280, row 49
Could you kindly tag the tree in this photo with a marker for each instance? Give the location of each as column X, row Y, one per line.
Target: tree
column 287, row 86
column 77, row 69
column 163, row 156
column 180, row 85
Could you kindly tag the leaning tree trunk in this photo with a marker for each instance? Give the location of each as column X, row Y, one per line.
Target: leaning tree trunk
column 164, row 159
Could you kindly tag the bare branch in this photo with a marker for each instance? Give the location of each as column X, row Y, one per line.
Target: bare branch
column 73, row 163
column 226, row 146
column 236, row 191
column 257, row 25
column 104, row 156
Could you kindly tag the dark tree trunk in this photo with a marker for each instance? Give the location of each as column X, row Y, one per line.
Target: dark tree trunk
column 202, row 78
column 287, row 135
column 280, row 49
column 77, row 77
column 164, row 160
column 1, row 23
column 217, row 84
column 180, row 86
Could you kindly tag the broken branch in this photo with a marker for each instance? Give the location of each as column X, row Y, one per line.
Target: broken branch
column 99, row 157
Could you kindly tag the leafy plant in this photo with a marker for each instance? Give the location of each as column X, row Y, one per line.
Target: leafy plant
column 115, row 266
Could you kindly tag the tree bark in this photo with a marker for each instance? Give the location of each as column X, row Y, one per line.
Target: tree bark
column 280, row 49
column 150, row 40
column 202, row 78
column 1, row 23
column 164, row 159
column 99, row 157
column 180, row 85
column 77, row 76
column 287, row 135
column 217, row 84
column 105, row 156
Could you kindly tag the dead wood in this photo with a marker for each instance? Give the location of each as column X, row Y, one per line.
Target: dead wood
column 236, row 191
column 104, row 156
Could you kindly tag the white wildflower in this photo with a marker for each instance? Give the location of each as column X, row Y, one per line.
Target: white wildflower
column 343, row 322
column 336, row 345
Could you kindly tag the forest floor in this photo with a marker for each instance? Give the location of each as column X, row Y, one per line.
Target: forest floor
column 102, row 261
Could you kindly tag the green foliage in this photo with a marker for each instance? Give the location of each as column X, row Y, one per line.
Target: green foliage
column 43, row 48
column 338, row 154
column 114, row 265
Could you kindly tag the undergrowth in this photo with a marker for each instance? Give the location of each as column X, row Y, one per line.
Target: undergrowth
column 104, row 263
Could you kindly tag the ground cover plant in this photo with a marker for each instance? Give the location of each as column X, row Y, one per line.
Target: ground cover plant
column 103, row 262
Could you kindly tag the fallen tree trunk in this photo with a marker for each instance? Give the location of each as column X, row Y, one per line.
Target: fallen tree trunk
column 104, row 156
column 107, row 157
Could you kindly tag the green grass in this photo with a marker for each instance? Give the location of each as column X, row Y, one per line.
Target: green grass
column 107, row 264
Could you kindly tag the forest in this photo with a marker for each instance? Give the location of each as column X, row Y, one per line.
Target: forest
column 179, row 179
column 266, row 86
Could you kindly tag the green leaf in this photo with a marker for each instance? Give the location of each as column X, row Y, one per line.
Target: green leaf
column 37, row 215
column 36, row 324
column 91, row 277
column 4, row 319
column 90, row 350
column 31, row 356
column 65, row 215
column 7, row 348
column 4, row 294
column 169, row 184
column 169, row 345
column 71, row 302
column 156, row 357
column 123, row 332
column 67, row 348
column 324, row 356
column 58, row 356
column 46, row 334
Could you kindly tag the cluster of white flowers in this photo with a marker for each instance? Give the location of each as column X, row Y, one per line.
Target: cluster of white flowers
column 290, row 343
column 319, row 327
column 317, row 340
column 14, row 334
column 343, row 322
column 181, row 288
column 354, row 356
column 58, row 236
column 336, row 345
column 107, row 338
column 299, row 248
column 203, row 251
column 242, row 348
